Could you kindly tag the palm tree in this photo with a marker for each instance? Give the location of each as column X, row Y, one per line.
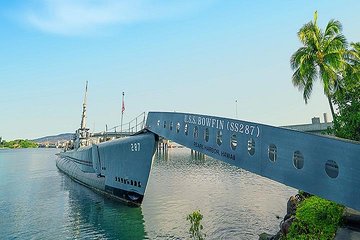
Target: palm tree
column 352, row 66
column 347, row 98
column 354, row 53
column 320, row 57
column 353, row 57
column 350, row 85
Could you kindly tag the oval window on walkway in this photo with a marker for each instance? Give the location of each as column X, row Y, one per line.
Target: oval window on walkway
column 186, row 130
column 298, row 160
column 233, row 142
column 272, row 152
column 177, row 127
column 219, row 137
column 196, row 132
column 206, row 135
column 251, row 146
column 164, row 124
column 331, row 169
column 171, row 126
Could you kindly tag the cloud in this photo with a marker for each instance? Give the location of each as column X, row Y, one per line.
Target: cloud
column 78, row 17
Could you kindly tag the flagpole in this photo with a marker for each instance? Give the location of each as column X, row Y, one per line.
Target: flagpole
column 236, row 109
column 122, row 112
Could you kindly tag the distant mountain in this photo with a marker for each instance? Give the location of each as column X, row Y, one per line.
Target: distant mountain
column 56, row 138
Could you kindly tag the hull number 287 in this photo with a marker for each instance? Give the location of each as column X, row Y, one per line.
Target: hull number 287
column 135, row 147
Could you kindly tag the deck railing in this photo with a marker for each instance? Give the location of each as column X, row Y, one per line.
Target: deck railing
column 126, row 129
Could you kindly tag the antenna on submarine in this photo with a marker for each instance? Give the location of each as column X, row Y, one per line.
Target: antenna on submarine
column 83, row 117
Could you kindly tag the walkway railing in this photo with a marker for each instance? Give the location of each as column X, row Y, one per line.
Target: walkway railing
column 129, row 128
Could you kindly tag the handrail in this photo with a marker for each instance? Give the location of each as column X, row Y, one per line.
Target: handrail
column 133, row 126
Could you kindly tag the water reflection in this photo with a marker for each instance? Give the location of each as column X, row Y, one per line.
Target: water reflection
column 197, row 156
column 162, row 155
column 91, row 215
column 236, row 204
column 165, row 155
column 39, row 202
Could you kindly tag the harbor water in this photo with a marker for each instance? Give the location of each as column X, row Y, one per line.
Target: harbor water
column 39, row 202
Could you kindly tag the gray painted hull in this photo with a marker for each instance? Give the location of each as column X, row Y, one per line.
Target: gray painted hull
column 118, row 168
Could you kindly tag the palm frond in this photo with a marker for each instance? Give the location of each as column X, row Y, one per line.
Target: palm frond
column 297, row 80
column 304, row 77
column 335, row 60
column 307, row 90
column 356, row 46
column 336, row 43
column 328, row 76
column 299, row 56
column 339, row 84
column 353, row 55
column 315, row 17
column 333, row 27
column 307, row 65
column 306, row 33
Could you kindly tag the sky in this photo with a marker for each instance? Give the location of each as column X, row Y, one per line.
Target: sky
column 166, row 55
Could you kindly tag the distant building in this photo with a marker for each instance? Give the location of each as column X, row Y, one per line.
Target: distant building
column 315, row 126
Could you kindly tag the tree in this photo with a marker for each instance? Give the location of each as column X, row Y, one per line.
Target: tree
column 320, row 57
column 347, row 98
column 19, row 143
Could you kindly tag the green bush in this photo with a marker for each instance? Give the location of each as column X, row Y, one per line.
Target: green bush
column 196, row 227
column 19, row 143
column 316, row 218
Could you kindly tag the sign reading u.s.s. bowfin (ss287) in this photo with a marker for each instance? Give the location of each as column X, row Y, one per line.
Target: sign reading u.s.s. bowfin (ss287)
column 230, row 125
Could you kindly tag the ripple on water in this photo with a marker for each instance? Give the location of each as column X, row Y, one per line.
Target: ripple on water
column 39, row 202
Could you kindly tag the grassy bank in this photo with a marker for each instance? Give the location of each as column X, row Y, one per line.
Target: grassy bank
column 315, row 218
column 19, row 143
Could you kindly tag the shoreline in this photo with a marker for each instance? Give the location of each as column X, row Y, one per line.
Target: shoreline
column 347, row 221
